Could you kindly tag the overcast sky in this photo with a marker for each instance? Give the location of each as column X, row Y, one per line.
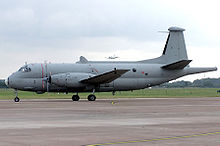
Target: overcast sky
column 63, row 30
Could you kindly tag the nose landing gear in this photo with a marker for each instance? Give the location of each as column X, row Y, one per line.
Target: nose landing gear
column 16, row 99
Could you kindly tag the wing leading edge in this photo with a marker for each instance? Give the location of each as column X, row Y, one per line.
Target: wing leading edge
column 106, row 77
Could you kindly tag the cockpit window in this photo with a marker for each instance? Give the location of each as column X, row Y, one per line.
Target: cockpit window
column 25, row 69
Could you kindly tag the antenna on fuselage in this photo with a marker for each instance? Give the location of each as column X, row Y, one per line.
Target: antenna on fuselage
column 25, row 64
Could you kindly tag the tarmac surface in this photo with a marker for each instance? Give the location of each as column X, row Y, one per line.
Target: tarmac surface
column 151, row 121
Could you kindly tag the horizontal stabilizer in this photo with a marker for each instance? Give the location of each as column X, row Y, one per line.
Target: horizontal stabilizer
column 177, row 65
column 106, row 77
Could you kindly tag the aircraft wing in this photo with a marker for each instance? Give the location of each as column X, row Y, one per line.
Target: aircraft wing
column 106, row 77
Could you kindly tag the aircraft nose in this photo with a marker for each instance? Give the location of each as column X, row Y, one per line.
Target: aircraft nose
column 7, row 82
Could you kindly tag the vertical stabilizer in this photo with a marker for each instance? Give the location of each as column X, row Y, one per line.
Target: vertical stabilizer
column 175, row 48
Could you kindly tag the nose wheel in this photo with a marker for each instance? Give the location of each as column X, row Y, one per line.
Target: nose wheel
column 16, row 99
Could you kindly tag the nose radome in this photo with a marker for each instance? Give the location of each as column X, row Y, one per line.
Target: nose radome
column 7, row 81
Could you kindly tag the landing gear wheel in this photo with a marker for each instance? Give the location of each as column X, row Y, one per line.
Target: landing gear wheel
column 91, row 97
column 16, row 99
column 75, row 97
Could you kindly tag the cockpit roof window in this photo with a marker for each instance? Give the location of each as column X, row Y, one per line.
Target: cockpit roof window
column 25, row 69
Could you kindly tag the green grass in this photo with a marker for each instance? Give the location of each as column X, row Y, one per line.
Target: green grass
column 146, row 93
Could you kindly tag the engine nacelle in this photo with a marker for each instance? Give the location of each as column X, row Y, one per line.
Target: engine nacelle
column 70, row 80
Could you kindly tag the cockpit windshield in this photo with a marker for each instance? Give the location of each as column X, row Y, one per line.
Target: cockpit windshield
column 25, row 69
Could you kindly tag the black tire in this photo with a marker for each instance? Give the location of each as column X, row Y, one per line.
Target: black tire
column 16, row 99
column 91, row 97
column 75, row 98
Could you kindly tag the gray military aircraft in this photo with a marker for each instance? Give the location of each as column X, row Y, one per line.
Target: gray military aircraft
column 100, row 76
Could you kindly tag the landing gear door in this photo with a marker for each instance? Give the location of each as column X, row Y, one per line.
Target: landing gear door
column 107, row 87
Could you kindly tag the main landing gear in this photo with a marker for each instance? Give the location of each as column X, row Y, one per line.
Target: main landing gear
column 91, row 97
column 75, row 97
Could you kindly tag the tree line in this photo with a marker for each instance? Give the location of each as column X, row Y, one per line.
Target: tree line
column 200, row 83
column 2, row 84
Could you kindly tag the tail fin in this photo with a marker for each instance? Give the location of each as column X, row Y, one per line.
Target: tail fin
column 174, row 50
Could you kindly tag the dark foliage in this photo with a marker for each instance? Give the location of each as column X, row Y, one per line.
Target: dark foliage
column 202, row 83
column 2, row 84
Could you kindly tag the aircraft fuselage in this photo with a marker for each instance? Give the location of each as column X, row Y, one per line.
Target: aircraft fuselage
column 139, row 76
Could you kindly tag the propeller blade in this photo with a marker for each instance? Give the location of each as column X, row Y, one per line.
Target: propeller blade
column 48, row 82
